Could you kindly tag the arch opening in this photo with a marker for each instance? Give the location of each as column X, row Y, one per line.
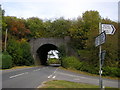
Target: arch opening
column 43, row 52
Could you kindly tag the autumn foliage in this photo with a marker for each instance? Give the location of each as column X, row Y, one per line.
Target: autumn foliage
column 17, row 27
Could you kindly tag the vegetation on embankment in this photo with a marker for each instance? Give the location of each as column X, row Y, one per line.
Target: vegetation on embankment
column 89, row 74
column 75, row 64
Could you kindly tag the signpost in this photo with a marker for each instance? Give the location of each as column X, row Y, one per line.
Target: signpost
column 103, row 57
column 108, row 28
column 99, row 40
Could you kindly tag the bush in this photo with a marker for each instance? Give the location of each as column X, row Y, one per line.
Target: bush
column 71, row 62
column 53, row 61
column 6, row 61
column 20, row 52
column 84, row 66
column 27, row 58
column 62, row 51
column 111, row 71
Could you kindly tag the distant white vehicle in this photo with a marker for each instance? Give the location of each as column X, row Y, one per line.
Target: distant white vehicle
column 53, row 54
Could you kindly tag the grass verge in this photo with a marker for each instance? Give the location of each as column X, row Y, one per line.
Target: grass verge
column 68, row 84
column 86, row 73
column 20, row 67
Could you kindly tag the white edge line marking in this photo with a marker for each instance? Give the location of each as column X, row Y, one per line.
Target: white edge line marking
column 18, row 75
column 36, row 70
column 71, row 75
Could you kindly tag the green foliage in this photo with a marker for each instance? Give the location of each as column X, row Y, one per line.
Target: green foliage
column 73, row 63
column 53, row 61
column 6, row 61
column 60, row 27
column 91, row 20
column 36, row 27
column 20, row 52
column 111, row 71
column 70, row 62
column 62, row 51
column 13, row 48
column 26, row 55
column 89, row 68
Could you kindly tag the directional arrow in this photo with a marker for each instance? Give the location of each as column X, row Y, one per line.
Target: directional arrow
column 108, row 28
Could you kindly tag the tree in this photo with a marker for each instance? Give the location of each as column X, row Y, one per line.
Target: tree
column 36, row 27
column 78, row 34
column 60, row 27
column 90, row 27
column 17, row 27
column 91, row 20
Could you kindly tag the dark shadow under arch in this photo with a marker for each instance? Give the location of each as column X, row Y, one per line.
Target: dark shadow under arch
column 43, row 52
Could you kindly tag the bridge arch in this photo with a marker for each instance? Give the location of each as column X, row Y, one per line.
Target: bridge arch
column 41, row 46
column 43, row 52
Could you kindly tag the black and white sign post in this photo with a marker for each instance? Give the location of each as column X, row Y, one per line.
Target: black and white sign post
column 100, row 71
column 99, row 40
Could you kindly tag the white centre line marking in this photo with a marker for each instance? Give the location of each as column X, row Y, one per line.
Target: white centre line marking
column 50, row 76
column 53, row 76
column 53, row 73
column 18, row 75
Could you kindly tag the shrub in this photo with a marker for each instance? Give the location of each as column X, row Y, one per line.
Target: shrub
column 89, row 68
column 71, row 62
column 6, row 61
column 13, row 48
column 111, row 71
column 62, row 51
column 27, row 58
column 53, row 61
column 20, row 52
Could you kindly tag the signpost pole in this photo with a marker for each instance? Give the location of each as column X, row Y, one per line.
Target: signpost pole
column 99, row 40
column 100, row 71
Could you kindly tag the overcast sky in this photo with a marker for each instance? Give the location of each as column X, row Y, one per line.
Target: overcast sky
column 50, row 9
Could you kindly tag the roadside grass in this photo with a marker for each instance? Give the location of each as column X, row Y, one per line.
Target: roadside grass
column 86, row 73
column 20, row 67
column 68, row 84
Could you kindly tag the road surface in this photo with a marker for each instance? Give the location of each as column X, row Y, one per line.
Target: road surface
column 35, row 76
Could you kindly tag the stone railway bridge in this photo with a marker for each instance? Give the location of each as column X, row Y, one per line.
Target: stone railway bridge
column 41, row 46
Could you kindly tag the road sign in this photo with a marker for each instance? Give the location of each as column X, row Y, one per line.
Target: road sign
column 100, row 39
column 108, row 28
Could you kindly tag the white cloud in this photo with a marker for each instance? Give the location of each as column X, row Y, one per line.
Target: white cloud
column 58, row 8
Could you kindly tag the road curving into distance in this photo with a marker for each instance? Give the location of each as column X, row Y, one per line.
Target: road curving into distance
column 35, row 76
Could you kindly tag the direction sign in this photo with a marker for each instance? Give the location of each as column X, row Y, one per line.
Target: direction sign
column 108, row 28
column 100, row 39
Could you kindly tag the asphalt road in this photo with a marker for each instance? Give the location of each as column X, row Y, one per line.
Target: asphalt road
column 35, row 76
